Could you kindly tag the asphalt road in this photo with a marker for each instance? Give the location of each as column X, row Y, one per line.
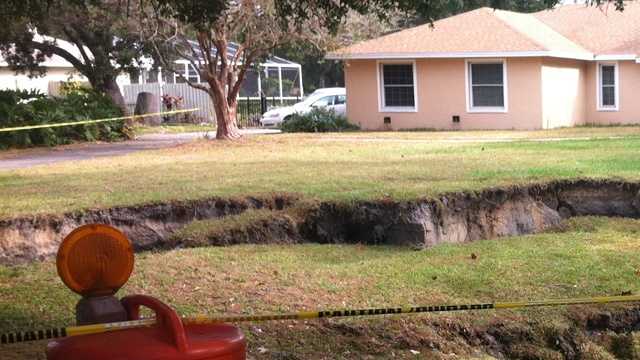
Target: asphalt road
column 43, row 156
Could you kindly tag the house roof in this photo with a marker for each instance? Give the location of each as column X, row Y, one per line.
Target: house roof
column 570, row 31
column 601, row 30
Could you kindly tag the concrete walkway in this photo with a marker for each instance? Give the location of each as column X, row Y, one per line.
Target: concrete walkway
column 32, row 157
column 468, row 140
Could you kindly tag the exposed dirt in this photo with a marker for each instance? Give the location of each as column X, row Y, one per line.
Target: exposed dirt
column 509, row 336
column 469, row 216
column 450, row 218
column 147, row 226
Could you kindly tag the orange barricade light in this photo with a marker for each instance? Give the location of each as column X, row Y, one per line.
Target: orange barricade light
column 95, row 260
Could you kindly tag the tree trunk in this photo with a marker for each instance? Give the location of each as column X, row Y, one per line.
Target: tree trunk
column 227, row 127
column 109, row 87
column 112, row 90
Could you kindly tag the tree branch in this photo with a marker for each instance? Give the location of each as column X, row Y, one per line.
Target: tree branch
column 78, row 44
column 171, row 68
column 45, row 47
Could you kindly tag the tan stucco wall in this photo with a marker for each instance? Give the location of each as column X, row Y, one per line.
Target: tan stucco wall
column 563, row 93
column 629, row 109
column 442, row 94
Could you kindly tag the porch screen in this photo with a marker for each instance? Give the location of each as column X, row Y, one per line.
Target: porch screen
column 397, row 84
column 608, row 85
column 487, row 85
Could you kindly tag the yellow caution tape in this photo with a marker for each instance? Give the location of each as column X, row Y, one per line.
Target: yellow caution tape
column 304, row 315
column 85, row 122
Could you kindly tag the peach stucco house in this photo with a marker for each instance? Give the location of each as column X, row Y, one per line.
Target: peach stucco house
column 493, row 69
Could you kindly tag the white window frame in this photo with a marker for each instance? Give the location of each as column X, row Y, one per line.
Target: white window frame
column 380, row 78
column 616, row 87
column 469, row 92
column 184, row 72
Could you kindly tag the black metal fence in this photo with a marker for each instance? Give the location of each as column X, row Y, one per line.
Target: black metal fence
column 250, row 110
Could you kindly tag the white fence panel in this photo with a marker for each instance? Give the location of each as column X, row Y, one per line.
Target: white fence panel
column 192, row 98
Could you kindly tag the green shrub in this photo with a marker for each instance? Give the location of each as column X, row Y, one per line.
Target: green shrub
column 24, row 108
column 317, row 120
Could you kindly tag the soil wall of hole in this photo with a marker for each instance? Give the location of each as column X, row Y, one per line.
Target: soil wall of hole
column 449, row 218
column 31, row 238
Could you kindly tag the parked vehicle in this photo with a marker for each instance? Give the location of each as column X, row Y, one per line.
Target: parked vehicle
column 330, row 98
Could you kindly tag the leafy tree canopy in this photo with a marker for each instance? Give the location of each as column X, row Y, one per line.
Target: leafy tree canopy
column 333, row 13
column 103, row 37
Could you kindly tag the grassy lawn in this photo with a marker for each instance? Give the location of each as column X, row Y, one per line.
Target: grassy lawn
column 360, row 165
column 589, row 257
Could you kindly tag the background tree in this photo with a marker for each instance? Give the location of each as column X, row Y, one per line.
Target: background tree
column 319, row 72
column 333, row 13
column 177, row 30
column 103, row 33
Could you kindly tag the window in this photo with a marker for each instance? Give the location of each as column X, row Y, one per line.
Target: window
column 340, row 100
column 189, row 73
column 397, row 87
column 323, row 101
column 487, row 86
column 192, row 74
column 608, row 86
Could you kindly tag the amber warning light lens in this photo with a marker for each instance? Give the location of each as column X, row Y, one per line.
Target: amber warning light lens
column 95, row 260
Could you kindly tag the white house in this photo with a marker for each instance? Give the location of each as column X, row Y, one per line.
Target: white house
column 58, row 70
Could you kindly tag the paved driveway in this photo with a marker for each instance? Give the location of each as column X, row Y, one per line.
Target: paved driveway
column 34, row 157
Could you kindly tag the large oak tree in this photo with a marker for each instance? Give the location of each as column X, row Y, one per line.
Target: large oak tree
column 203, row 37
column 102, row 32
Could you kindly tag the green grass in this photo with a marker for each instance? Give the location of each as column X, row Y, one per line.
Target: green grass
column 253, row 226
column 331, row 166
column 590, row 257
